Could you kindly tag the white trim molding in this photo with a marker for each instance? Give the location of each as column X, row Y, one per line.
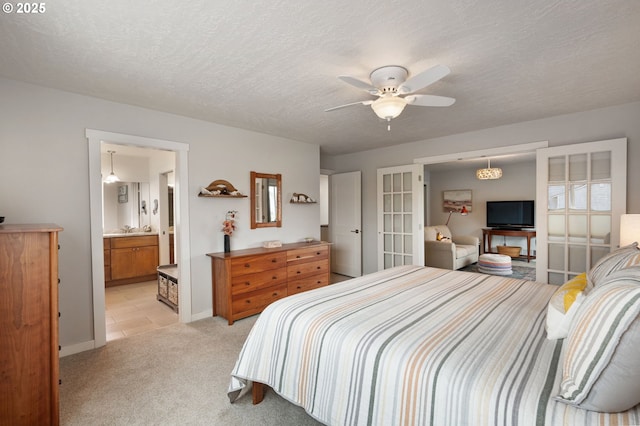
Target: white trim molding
column 182, row 245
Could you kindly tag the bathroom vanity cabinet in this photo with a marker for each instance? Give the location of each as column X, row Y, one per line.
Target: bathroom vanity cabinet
column 130, row 259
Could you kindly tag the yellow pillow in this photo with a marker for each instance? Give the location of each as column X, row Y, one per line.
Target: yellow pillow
column 572, row 288
column 559, row 312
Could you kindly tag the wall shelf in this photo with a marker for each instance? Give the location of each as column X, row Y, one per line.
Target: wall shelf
column 221, row 196
column 299, row 198
column 223, row 188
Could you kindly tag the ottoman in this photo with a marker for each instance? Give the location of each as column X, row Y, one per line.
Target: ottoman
column 495, row 264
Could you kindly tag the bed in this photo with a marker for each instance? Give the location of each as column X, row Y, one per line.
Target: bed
column 415, row 346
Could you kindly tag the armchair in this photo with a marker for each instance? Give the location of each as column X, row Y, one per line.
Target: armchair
column 449, row 253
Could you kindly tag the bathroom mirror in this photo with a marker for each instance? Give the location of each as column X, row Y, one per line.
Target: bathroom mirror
column 125, row 204
column 266, row 200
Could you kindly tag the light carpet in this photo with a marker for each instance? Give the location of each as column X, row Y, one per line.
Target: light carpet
column 177, row 375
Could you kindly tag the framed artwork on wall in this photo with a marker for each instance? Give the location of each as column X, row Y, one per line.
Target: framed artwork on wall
column 123, row 194
column 455, row 200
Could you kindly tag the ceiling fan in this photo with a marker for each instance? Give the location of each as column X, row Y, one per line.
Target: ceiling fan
column 395, row 91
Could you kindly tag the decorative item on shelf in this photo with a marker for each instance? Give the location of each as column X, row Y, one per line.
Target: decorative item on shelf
column 272, row 244
column 299, row 198
column 220, row 188
column 228, row 226
column 511, row 251
column 308, row 239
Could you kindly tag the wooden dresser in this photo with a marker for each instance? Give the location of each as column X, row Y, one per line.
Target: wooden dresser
column 29, row 358
column 246, row 281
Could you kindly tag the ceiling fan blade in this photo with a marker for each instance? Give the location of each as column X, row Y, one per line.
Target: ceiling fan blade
column 347, row 105
column 359, row 84
column 423, row 79
column 429, row 100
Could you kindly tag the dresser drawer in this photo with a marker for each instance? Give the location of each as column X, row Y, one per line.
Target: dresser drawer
column 252, row 303
column 307, row 254
column 307, row 269
column 258, row 263
column 308, row 283
column 252, row 282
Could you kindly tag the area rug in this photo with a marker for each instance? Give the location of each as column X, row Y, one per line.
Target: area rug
column 522, row 270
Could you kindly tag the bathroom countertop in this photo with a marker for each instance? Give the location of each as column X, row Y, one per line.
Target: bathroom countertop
column 130, row 234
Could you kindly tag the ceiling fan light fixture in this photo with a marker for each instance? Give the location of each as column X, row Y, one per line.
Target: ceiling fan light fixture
column 388, row 106
column 489, row 172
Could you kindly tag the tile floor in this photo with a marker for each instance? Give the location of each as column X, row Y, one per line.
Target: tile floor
column 133, row 309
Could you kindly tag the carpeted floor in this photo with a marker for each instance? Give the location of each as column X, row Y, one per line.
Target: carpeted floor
column 176, row 375
column 523, row 270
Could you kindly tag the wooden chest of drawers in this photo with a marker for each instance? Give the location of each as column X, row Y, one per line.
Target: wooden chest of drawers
column 246, row 281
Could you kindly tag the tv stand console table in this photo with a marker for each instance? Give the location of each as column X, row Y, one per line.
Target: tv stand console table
column 487, row 233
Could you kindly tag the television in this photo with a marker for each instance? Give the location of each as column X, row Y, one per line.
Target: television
column 510, row 214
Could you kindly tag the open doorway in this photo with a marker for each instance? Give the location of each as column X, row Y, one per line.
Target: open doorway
column 141, row 291
column 181, row 213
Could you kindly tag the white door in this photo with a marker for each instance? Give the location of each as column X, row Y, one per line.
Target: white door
column 581, row 193
column 345, row 223
column 400, row 215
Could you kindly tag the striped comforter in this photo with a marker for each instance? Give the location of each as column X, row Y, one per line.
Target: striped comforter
column 415, row 346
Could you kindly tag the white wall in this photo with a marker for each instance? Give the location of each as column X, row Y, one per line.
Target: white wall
column 44, row 178
column 602, row 124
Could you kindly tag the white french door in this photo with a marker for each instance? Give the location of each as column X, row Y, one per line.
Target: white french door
column 581, row 193
column 400, row 214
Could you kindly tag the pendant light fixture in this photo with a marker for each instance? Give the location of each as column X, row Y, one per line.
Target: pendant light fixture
column 112, row 176
column 489, row 172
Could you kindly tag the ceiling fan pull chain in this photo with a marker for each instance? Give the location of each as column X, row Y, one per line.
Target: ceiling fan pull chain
column 388, row 124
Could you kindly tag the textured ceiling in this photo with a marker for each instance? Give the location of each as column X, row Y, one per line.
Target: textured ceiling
column 271, row 65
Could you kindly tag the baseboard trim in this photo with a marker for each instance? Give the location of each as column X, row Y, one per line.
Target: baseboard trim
column 202, row 315
column 91, row 344
column 77, row 348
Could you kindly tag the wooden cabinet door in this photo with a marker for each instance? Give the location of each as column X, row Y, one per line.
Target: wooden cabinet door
column 123, row 263
column 146, row 260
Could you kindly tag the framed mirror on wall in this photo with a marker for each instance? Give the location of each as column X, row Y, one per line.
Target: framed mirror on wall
column 266, row 200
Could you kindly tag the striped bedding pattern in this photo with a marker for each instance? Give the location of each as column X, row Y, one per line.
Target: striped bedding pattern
column 415, row 346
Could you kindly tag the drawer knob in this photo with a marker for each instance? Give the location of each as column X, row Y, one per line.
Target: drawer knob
column 298, row 257
column 297, row 272
column 317, row 253
column 248, row 301
column 319, row 282
column 247, row 283
column 274, row 260
column 246, row 265
column 274, row 278
column 318, row 267
column 275, row 294
column 298, row 287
